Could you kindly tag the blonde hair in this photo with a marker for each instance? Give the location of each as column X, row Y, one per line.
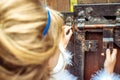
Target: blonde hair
column 24, row 51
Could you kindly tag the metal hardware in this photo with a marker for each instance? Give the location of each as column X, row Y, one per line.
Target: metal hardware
column 91, row 45
column 107, row 38
column 117, row 37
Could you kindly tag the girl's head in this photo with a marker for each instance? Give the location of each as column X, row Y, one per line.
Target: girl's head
column 23, row 46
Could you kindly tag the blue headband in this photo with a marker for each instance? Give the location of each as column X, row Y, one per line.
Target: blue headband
column 48, row 23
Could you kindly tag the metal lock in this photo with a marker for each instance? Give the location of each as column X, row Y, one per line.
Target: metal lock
column 91, row 45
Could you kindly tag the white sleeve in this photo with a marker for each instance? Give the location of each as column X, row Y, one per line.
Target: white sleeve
column 103, row 75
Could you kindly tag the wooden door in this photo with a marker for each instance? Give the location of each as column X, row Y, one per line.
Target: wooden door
column 59, row 5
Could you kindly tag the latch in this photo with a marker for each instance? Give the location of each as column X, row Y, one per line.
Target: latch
column 107, row 38
column 91, row 45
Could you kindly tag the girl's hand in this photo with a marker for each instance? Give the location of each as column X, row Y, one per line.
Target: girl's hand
column 66, row 36
column 110, row 60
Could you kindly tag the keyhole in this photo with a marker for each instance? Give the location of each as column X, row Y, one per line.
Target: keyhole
column 90, row 45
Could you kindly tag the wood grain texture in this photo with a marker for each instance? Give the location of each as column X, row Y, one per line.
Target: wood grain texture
column 60, row 5
column 64, row 5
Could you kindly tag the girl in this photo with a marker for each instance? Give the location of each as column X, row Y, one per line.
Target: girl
column 32, row 43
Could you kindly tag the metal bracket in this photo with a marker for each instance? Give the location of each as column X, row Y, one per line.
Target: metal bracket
column 107, row 38
column 91, row 45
